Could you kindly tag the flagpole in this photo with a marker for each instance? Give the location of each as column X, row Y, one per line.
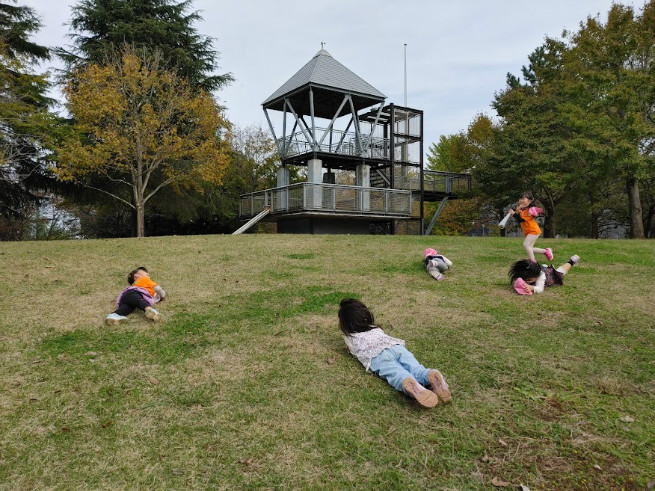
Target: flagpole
column 405, row 72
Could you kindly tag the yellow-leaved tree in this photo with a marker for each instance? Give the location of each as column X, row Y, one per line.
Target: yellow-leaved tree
column 140, row 127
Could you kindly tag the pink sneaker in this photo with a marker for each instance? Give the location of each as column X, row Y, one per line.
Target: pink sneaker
column 521, row 287
column 549, row 254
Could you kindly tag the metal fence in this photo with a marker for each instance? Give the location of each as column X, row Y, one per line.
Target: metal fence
column 336, row 142
column 334, row 198
column 441, row 182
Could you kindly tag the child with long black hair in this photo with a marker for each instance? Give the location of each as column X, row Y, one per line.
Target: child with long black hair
column 530, row 277
column 387, row 357
column 525, row 213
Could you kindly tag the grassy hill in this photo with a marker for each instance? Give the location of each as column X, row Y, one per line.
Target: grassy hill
column 247, row 383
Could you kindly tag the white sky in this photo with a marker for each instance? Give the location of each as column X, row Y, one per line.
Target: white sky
column 458, row 51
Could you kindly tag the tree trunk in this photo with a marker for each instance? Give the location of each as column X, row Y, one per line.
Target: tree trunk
column 595, row 232
column 648, row 222
column 550, row 222
column 140, row 220
column 634, row 203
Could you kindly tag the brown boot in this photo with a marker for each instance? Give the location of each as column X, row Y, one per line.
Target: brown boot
column 423, row 396
column 439, row 386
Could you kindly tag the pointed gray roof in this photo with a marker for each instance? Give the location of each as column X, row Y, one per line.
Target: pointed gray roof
column 329, row 80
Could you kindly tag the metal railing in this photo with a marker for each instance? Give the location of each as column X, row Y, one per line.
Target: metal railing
column 336, row 142
column 440, row 182
column 330, row 198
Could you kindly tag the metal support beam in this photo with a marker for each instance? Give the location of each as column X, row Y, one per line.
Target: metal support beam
column 311, row 113
column 336, row 115
column 358, row 134
column 428, row 230
column 307, row 137
column 280, row 150
column 373, row 125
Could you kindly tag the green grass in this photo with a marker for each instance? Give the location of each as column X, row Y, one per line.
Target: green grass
column 247, row 383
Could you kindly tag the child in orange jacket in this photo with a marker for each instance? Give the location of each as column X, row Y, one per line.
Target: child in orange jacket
column 142, row 294
column 525, row 215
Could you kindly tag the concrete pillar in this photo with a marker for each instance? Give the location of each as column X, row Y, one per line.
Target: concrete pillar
column 281, row 196
column 314, row 193
column 363, row 179
column 282, row 177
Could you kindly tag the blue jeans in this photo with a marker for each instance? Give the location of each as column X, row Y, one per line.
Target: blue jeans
column 395, row 364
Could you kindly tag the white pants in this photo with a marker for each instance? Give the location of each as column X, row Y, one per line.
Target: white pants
column 528, row 244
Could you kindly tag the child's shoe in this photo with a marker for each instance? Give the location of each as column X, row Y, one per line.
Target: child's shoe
column 436, row 274
column 152, row 314
column 521, row 287
column 439, row 386
column 575, row 259
column 113, row 319
column 549, row 253
column 423, row 396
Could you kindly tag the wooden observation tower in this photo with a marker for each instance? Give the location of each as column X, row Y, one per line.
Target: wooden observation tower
column 363, row 159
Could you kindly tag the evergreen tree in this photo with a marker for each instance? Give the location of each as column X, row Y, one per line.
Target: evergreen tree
column 102, row 26
column 26, row 125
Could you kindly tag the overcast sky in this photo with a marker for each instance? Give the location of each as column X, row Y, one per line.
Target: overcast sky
column 458, row 51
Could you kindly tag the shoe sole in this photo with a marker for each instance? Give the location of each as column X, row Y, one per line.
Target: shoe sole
column 425, row 398
column 439, row 386
column 153, row 316
column 114, row 322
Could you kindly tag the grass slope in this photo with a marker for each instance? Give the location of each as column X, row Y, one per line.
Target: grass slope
column 247, row 384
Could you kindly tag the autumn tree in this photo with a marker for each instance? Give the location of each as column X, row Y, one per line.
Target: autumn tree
column 461, row 152
column 141, row 128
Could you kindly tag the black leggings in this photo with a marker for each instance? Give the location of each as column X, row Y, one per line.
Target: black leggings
column 131, row 299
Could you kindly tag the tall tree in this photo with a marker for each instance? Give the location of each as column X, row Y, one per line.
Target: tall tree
column 614, row 64
column 536, row 149
column 101, row 26
column 582, row 116
column 142, row 128
column 26, row 124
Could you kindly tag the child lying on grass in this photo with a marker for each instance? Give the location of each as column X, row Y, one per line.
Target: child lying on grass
column 387, row 357
column 436, row 264
column 142, row 294
column 530, row 277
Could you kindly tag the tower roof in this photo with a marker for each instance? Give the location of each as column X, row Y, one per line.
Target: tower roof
column 329, row 81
